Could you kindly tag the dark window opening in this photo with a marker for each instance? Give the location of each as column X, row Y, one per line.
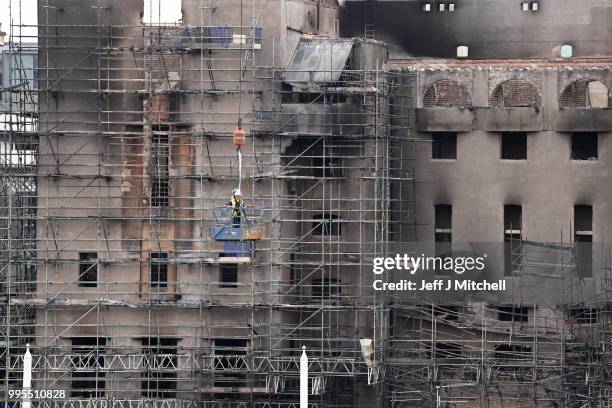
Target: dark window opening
column 448, row 313
column 583, row 239
column 88, row 269
column 512, row 352
column 290, row 96
column 7, row 357
column 327, row 224
column 445, row 350
column 325, row 288
column 513, row 313
column 513, row 225
column 514, row 146
column 228, row 273
column 584, row 315
column 330, row 166
column 88, row 374
column 230, row 362
column 159, row 379
column 160, row 166
column 26, row 152
column 443, row 220
column 159, row 269
column 444, row 145
column 584, row 146
column 26, row 211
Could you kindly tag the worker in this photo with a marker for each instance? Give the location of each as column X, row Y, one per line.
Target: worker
column 236, row 205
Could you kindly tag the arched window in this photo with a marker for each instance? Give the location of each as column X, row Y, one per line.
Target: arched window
column 584, row 93
column 515, row 92
column 447, row 93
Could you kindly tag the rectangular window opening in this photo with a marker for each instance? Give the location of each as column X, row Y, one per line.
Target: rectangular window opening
column 444, row 145
column 447, row 312
column 584, row 146
column 514, row 146
column 583, row 239
column 443, row 220
column 89, row 354
column 230, row 358
column 513, row 219
column 159, row 269
column 325, row 288
column 584, row 315
column 159, row 378
column 512, row 352
column 88, row 269
column 228, row 273
column 327, row 225
column 330, row 166
column 445, row 350
column 160, row 166
column 513, row 313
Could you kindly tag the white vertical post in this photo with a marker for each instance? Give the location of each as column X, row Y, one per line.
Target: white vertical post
column 27, row 377
column 304, row 379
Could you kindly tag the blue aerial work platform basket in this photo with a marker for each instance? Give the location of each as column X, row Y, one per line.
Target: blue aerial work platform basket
column 238, row 240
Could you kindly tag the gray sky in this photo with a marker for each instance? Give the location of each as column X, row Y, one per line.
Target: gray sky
column 28, row 15
column 170, row 12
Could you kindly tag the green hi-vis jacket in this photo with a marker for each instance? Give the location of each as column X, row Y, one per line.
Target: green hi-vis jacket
column 236, row 204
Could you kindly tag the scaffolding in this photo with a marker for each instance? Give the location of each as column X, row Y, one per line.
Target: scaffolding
column 129, row 277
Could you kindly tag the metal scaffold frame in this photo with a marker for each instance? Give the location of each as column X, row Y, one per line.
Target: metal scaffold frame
column 125, row 270
column 132, row 163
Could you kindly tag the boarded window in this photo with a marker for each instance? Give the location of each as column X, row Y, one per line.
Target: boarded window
column 88, row 269
column 444, row 145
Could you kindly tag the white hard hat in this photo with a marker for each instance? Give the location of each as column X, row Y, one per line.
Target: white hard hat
column 236, row 191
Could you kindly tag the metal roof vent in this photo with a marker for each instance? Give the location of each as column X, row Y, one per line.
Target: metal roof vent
column 462, row 51
column 567, row 51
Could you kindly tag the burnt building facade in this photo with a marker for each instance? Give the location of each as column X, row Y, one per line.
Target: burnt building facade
column 127, row 274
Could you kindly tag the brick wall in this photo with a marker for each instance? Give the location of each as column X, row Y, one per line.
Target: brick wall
column 447, row 93
column 575, row 95
column 515, row 92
